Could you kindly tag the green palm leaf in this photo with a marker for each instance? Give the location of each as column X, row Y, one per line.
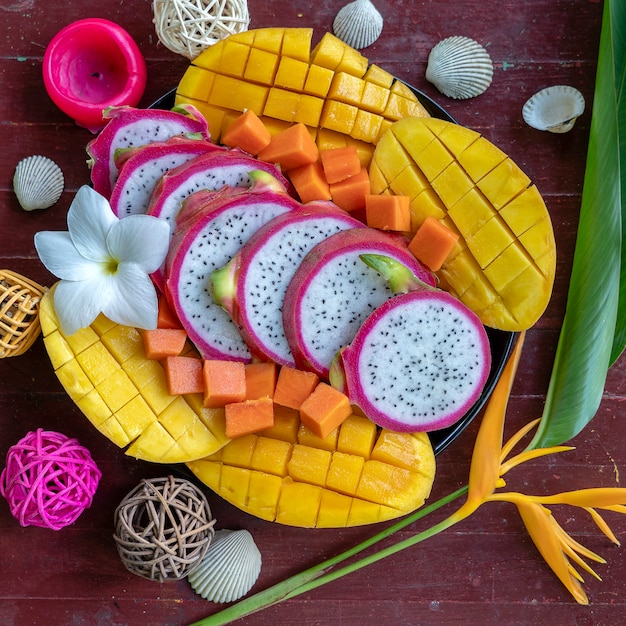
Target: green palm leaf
column 596, row 311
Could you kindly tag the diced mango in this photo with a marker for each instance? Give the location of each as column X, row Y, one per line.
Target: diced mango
column 357, row 436
column 271, row 456
column 234, row 484
column 344, row 473
column 309, row 464
column 261, row 66
column 291, row 74
column 298, row 504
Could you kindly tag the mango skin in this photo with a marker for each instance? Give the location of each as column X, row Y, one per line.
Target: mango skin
column 274, row 72
column 360, row 474
column 103, row 368
column 504, row 263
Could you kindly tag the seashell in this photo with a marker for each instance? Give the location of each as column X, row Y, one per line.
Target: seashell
column 229, row 569
column 459, row 67
column 38, row 182
column 358, row 24
column 554, row 109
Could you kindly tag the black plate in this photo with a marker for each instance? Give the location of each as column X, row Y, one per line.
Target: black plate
column 501, row 342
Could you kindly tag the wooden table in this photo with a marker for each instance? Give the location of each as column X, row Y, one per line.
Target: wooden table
column 485, row 570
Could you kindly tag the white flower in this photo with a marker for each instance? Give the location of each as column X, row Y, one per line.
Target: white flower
column 104, row 264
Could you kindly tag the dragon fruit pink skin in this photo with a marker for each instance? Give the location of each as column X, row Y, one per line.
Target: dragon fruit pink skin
column 333, row 291
column 252, row 286
column 129, row 127
column 417, row 363
column 140, row 171
column 205, row 245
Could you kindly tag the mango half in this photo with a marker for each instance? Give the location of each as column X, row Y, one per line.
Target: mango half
column 273, row 71
column 357, row 475
column 103, row 368
column 504, row 263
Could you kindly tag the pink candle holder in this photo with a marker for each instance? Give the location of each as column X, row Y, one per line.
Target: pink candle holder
column 90, row 65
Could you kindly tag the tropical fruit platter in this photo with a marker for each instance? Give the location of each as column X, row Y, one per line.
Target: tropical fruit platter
column 344, row 273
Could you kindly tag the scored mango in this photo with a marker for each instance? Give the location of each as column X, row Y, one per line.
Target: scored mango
column 103, row 368
column 504, row 262
column 275, row 73
column 360, row 474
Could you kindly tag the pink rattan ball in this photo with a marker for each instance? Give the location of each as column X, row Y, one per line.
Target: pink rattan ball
column 49, row 480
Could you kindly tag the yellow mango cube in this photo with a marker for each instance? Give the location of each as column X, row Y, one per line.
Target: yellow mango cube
column 297, row 43
column 378, row 76
column 286, row 424
column 480, row 157
column 367, row 126
column 135, row 416
column 234, row 58
column 392, row 486
column 357, row 436
column 113, row 431
column 298, row 504
column 309, row 464
column 328, row 52
column 234, row 484
column 506, row 267
column 291, row 73
column 352, row 62
column 94, row 407
column 263, row 495
column 308, row 438
column 239, row 451
column 271, row 456
column 487, row 243
column 282, row 104
column 363, row 512
column 471, row 213
column 208, row 472
column 270, row 39
column 334, row 510
column 413, row 453
column 58, row 349
column 338, row 116
column 117, row 389
column 82, row 339
column 261, row 66
column 309, row 110
column 409, row 182
column 197, row 83
column 318, row 81
column 374, row 98
column 452, row 184
column 103, row 324
column 344, row 473
column 346, row 88
column 97, row 363
column 74, row 380
column 122, row 342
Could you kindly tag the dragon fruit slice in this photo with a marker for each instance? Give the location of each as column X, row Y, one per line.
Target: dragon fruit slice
column 252, row 286
column 205, row 245
column 417, row 363
column 129, row 127
column 140, row 170
column 333, row 291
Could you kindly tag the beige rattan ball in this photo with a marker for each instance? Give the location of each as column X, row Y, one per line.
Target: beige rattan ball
column 188, row 27
column 19, row 313
column 163, row 528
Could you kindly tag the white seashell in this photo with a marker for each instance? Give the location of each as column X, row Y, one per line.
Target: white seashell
column 358, row 24
column 229, row 569
column 554, row 109
column 459, row 67
column 38, row 182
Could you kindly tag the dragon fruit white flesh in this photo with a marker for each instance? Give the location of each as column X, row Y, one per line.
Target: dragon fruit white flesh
column 140, row 171
column 205, row 245
column 129, row 127
column 333, row 291
column 252, row 286
column 417, row 363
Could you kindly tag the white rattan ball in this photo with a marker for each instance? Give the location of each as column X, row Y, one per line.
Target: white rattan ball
column 188, row 27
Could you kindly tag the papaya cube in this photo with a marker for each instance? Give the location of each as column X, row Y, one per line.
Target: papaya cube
column 325, row 409
column 357, row 436
column 260, row 380
column 318, row 81
column 294, row 386
column 261, row 66
column 291, row 148
column 224, row 381
column 340, row 163
column 263, row 494
column 309, row 464
column 310, row 182
column 249, row 416
column 349, row 194
column 184, row 375
column 298, row 504
column 334, row 510
column 388, row 212
column 271, row 456
column 291, row 73
column 344, row 472
column 162, row 342
column 433, row 242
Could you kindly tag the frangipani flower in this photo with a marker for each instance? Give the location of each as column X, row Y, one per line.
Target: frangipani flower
column 104, row 264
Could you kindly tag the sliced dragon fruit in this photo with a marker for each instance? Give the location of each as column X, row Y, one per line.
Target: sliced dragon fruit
column 209, row 171
column 333, row 291
column 252, row 286
column 141, row 168
column 205, row 245
column 129, row 127
column 417, row 363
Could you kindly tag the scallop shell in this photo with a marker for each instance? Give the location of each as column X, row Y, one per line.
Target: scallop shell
column 358, row 24
column 554, row 109
column 38, row 182
column 230, row 568
column 459, row 67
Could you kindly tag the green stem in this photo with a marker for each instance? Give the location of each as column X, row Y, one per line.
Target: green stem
column 319, row 574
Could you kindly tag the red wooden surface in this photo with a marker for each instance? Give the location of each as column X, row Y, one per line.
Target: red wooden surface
column 485, row 570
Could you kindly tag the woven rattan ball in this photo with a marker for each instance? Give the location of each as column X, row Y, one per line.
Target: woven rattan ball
column 19, row 313
column 49, row 479
column 188, row 27
column 163, row 528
